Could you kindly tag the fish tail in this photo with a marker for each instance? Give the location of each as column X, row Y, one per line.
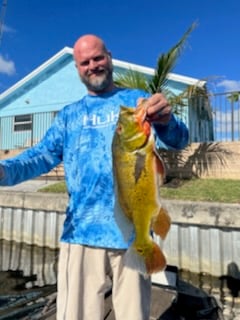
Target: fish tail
column 156, row 261
column 148, row 260
column 161, row 223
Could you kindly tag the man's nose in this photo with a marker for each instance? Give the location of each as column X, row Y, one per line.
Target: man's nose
column 93, row 64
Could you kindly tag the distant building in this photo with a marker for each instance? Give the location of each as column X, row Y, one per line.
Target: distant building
column 28, row 107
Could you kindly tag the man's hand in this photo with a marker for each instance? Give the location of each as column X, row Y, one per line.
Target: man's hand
column 158, row 108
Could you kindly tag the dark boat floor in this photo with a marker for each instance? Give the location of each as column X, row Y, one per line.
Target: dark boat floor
column 188, row 303
column 173, row 299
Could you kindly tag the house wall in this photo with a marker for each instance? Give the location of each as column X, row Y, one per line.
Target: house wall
column 10, row 139
column 201, row 115
column 49, row 91
column 198, row 128
column 42, row 97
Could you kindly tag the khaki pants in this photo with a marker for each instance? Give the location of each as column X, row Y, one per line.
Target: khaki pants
column 82, row 276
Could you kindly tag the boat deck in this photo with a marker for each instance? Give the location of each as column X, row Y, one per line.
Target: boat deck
column 172, row 299
column 167, row 304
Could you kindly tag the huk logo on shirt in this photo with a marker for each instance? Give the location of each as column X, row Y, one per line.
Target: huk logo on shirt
column 99, row 120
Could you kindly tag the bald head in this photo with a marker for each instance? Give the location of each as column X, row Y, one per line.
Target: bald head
column 88, row 42
column 94, row 64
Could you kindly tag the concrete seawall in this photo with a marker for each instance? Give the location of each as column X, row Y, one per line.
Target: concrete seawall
column 34, row 200
column 204, row 237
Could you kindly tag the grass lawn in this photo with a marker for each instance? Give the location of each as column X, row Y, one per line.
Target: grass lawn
column 195, row 189
column 204, row 190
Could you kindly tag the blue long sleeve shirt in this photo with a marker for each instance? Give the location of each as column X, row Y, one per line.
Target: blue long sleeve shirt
column 81, row 136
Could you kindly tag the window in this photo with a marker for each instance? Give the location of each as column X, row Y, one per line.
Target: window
column 23, row 122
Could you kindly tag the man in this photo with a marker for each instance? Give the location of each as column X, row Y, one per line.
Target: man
column 92, row 245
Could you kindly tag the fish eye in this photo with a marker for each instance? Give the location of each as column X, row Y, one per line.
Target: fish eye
column 119, row 128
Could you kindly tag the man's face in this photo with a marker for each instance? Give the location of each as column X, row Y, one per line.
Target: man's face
column 94, row 66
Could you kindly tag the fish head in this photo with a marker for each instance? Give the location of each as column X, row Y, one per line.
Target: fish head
column 133, row 130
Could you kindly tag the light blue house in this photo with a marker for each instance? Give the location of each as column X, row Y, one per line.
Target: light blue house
column 27, row 108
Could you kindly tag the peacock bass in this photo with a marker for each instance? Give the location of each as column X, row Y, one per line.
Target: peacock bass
column 138, row 174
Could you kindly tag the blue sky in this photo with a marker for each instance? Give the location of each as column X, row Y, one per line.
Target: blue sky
column 134, row 31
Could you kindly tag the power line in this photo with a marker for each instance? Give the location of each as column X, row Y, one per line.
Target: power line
column 2, row 15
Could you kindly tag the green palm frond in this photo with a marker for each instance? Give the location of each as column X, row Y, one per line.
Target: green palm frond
column 195, row 90
column 165, row 64
column 167, row 61
column 176, row 101
column 234, row 96
column 131, row 79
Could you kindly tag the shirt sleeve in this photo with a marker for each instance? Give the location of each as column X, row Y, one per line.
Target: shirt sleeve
column 173, row 136
column 37, row 160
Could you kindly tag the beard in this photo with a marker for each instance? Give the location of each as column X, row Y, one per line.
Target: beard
column 101, row 80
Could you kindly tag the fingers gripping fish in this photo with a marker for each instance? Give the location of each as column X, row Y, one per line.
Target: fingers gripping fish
column 139, row 172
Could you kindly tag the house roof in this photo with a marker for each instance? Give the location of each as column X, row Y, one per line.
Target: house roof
column 67, row 51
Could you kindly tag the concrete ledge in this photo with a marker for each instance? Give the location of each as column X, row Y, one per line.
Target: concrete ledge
column 182, row 212
column 204, row 236
column 204, row 213
column 34, row 200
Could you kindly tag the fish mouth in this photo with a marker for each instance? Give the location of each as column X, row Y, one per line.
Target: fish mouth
column 144, row 123
column 141, row 112
column 139, row 115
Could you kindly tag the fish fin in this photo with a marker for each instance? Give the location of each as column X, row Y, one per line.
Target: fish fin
column 151, row 262
column 133, row 260
column 161, row 169
column 161, row 223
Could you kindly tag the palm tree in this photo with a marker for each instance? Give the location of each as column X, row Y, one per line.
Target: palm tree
column 197, row 95
column 165, row 64
column 234, row 96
